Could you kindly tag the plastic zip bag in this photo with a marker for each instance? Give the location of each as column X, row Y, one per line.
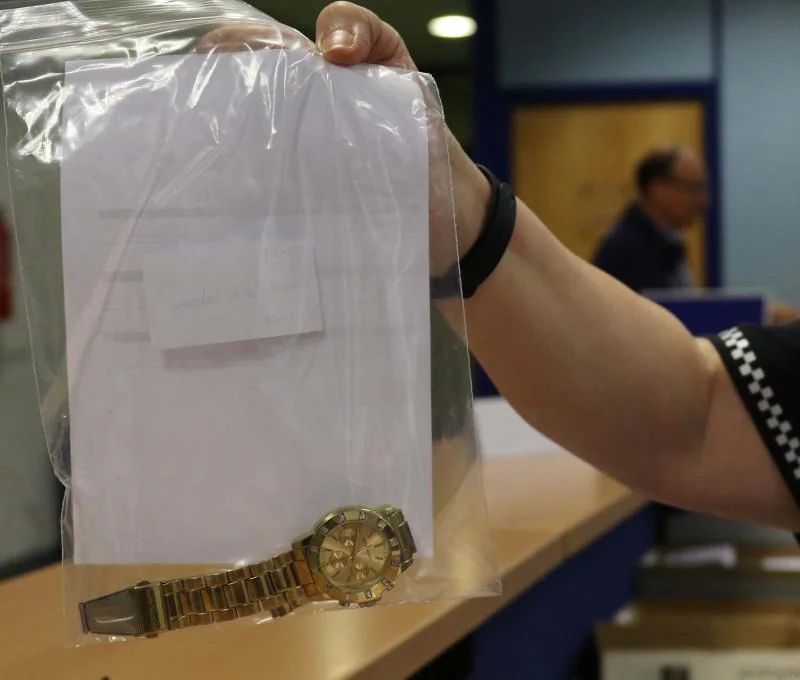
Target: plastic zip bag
column 247, row 393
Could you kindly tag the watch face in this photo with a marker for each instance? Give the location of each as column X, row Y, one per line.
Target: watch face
column 354, row 555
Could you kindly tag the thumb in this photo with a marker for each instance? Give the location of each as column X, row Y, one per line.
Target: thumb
column 349, row 34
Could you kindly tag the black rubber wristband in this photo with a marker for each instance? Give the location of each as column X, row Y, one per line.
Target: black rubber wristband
column 485, row 254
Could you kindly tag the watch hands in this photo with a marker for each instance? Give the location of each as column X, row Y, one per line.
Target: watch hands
column 371, row 543
column 366, row 547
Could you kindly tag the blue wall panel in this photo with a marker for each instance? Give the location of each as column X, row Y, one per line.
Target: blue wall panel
column 585, row 42
column 761, row 145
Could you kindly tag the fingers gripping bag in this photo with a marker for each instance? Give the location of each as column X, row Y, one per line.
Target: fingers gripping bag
column 253, row 403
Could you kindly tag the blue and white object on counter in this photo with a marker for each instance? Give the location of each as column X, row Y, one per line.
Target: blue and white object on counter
column 707, row 312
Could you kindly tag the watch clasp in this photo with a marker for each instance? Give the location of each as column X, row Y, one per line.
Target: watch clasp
column 137, row 611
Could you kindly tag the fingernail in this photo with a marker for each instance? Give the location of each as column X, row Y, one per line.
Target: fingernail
column 339, row 39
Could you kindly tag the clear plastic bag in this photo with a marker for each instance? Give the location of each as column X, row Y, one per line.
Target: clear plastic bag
column 252, row 402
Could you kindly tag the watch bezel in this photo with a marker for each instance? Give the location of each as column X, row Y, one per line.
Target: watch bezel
column 346, row 515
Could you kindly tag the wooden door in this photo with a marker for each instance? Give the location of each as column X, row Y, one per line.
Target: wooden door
column 573, row 164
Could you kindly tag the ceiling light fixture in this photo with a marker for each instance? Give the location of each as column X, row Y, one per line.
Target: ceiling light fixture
column 452, row 26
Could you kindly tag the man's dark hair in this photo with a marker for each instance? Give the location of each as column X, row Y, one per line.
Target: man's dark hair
column 655, row 165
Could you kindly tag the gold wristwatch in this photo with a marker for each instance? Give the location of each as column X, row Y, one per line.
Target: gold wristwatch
column 353, row 556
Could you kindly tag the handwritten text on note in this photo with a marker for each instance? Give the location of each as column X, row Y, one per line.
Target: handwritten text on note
column 229, row 293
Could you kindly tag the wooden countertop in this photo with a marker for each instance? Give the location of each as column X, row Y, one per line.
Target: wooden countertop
column 542, row 508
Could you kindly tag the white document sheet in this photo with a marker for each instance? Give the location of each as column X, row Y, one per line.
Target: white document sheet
column 245, row 250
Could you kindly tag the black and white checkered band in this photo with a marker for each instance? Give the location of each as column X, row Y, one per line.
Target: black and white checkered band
column 773, row 417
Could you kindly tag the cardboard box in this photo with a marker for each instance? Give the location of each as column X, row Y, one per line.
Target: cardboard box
column 680, row 641
column 721, row 573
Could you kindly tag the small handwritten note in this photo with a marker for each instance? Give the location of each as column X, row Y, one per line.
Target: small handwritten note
column 229, row 293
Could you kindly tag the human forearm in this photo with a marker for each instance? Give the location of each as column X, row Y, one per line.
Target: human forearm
column 612, row 377
column 609, row 375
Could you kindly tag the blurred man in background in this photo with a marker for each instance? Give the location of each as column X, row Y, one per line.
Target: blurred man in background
column 646, row 249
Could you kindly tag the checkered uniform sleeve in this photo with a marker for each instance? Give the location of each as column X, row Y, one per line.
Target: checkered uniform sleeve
column 764, row 364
